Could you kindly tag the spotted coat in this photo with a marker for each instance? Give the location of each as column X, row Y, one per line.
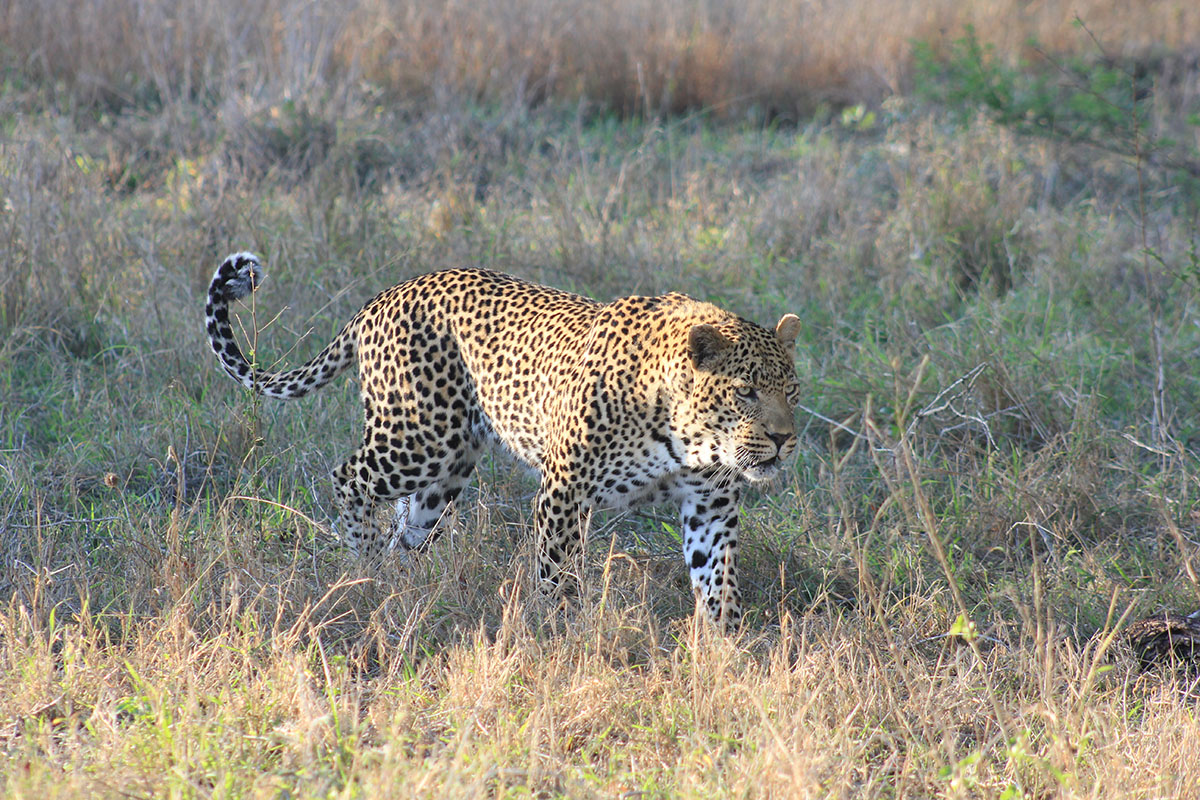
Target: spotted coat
column 643, row 399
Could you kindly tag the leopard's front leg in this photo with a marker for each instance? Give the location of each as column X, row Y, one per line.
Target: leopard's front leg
column 710, row 521
column 558, row 520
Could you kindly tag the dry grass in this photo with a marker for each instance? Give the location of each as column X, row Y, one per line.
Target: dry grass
column 259, row 679
column 174, row 618
column 634, row 56
column 250, row 694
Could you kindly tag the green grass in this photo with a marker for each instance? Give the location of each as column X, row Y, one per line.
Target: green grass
column 176, row 621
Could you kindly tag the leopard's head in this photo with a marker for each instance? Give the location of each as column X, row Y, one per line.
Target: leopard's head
column 743, row 393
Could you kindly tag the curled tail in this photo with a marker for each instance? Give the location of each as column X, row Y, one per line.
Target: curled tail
column 238, row 276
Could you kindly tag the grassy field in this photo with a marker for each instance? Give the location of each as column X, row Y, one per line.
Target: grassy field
column 996, row 262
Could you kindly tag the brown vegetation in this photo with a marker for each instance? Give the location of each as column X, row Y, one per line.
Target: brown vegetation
column 724, row 56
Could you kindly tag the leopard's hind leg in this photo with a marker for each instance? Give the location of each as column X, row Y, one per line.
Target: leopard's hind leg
column 415, row 524
column 419, row 448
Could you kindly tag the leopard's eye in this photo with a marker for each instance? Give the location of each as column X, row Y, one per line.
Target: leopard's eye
column 745, row 392
column 793, row 394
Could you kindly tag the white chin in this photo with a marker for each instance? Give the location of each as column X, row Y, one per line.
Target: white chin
column 760, row 473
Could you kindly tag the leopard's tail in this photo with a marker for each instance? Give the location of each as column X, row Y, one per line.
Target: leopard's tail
column 238, row 276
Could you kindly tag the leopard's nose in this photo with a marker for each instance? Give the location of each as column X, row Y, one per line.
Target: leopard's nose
column 780, row 439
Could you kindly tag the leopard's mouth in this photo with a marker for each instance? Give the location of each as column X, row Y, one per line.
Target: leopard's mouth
column 762, row 470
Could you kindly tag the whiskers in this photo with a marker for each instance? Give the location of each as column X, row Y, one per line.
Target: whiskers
column 755, row 464
column 720, row 476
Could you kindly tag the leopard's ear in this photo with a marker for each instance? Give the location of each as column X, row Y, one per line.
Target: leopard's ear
column 705, row 345
column 788, row 329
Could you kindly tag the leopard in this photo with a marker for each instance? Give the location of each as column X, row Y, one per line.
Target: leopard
column 640, row 400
